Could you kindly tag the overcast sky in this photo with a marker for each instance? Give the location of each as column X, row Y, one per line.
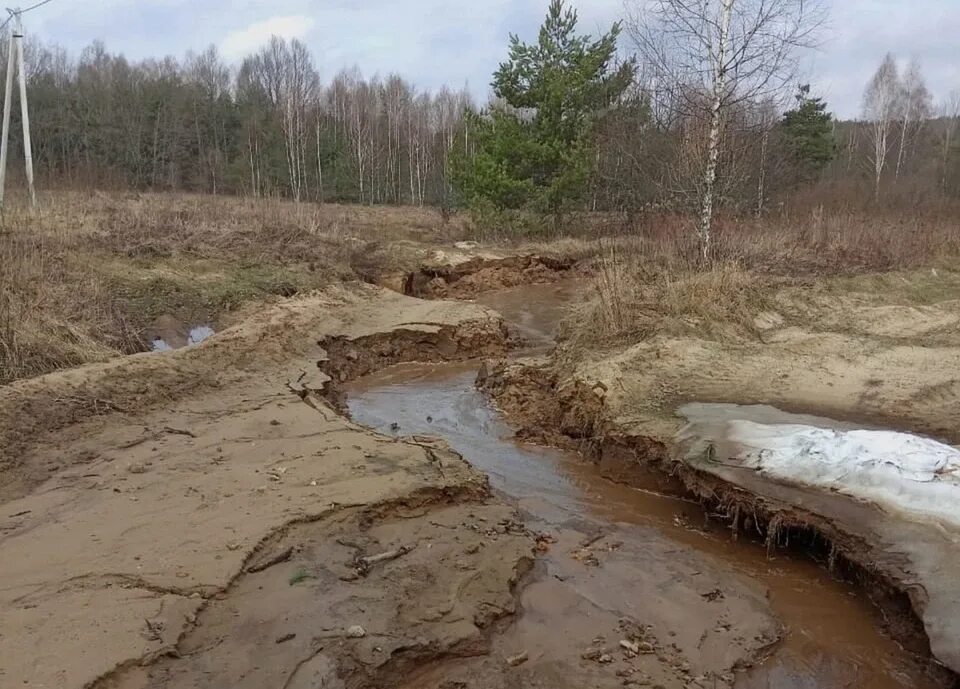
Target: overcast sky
column 457, row 42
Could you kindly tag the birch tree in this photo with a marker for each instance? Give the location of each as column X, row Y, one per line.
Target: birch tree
column 711, row 55
column 915, row 106
column 880, row 102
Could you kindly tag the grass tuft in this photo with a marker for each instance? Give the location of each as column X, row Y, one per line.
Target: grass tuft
column 634, row 300
column 300, row 575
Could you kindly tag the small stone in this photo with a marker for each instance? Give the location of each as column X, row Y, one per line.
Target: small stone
column 605, row 658
column 630, row 646
column 518, row 659
column 356, row 632
column 285, row 637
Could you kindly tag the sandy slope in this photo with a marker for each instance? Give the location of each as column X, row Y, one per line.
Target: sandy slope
column 163, row 481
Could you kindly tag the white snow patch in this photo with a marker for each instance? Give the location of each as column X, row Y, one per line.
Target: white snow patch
column 897, row 471
column 196, row 335
column 199, row 333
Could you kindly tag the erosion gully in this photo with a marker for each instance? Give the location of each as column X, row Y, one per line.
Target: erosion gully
column 633, row 553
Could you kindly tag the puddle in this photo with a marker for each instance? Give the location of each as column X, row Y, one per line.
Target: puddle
column 166, row 333
column 659, row 563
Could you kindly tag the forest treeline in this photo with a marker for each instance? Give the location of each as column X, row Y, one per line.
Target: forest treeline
column 272, row 126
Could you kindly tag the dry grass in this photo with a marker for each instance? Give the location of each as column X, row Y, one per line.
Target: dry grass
column 83, row 278
column 653, row 282
column 52, row 314
column 632, row 301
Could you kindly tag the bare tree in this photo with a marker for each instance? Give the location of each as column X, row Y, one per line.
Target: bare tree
column 766, row 118
column 710, row 55
column 950, row 117
column 880, row 102
column 915, row 107
column 210, row 78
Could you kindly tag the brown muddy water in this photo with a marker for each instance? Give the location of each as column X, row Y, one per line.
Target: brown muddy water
column 625, row 553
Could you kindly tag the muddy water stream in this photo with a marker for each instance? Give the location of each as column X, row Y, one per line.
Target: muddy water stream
column 648, row 557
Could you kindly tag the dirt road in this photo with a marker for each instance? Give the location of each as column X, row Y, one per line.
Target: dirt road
column 210, row 517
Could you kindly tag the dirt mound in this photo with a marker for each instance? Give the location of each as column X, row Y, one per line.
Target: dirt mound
column 468, row 273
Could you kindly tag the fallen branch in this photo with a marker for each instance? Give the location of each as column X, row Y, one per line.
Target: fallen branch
column 364, row 563
column 178, row 431
column 586, row 543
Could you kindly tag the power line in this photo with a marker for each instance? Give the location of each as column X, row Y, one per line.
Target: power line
column 14, row 13
column 33, row 7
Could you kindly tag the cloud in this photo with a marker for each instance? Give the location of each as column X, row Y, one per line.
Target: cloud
column 245, row 41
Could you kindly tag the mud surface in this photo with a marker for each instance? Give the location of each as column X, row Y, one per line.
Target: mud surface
column 590, row 592
column 208, row 517
column 229, row 528
column 707, row 607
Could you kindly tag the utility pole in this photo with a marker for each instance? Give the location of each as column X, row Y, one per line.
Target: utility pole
column 16, row 54
column 7, row 103
column 25, row 115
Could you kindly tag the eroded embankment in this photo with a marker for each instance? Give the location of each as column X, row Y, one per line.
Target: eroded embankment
column 851, row 539
column 463, row 275
column 209, row 515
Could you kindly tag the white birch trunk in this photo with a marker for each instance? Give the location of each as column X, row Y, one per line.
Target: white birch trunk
column 704, row 225
column 903, row 140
